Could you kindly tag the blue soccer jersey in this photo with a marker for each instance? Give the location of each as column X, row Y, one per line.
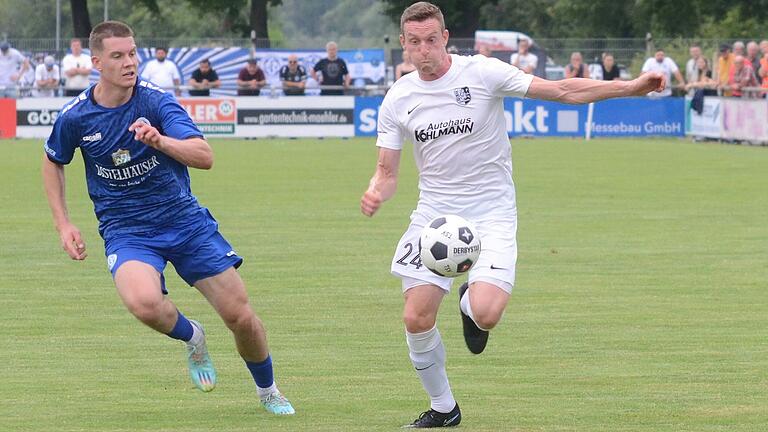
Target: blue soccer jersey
column 134, row 188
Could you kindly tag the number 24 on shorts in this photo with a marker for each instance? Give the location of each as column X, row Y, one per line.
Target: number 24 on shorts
column 416, row 260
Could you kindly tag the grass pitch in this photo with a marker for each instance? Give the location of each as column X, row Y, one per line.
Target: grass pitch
column 640, row 303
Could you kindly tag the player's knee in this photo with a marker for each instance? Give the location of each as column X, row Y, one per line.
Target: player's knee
column 418, row 322
column 148, row 311
column 488, row 317
column 240, row 320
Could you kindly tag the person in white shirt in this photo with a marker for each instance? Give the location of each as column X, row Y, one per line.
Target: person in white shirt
column 452, row 110
column 47, row 78
column 691, row 71
column 162, row 72
column 76, row 68
column 664, row 65
column 524, row 60
column 12, row 67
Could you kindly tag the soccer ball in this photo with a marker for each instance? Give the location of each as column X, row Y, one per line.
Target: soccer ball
column 449, row 245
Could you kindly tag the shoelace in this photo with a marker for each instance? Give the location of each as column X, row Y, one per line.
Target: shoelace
column 197, row 354
column 275, row 399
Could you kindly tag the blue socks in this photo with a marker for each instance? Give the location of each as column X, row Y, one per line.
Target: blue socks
column 183, row 329
column 262, row 372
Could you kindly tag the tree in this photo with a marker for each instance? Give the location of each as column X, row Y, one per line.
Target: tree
column 462, row 17
column 81, row 19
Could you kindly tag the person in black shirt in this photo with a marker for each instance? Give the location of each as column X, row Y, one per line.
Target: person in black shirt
column 203, row 79
column 293, row 76
column 610, row 70
column 250, row 79
column 333, row 71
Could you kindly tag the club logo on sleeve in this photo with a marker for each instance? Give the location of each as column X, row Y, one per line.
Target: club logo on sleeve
column 111, row 260
column 462, row 95
column 121, row 157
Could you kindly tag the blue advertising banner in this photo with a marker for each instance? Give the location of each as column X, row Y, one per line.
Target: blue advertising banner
column 366, row 115
column 626, row 117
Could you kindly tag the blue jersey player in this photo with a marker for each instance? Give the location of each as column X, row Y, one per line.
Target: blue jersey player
column 137, row 142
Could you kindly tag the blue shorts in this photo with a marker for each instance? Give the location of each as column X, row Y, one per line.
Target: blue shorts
column 194, row 246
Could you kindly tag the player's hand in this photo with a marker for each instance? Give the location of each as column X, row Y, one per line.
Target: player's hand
column 146, row 133
column 647, row 83
column 72, row 242
column 370, row 202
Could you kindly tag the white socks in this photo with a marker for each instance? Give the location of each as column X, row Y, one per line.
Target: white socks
column 197, row 335
column 428, row 357
column 264, row 392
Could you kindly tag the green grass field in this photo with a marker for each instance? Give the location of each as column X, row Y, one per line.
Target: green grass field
column 641, row 301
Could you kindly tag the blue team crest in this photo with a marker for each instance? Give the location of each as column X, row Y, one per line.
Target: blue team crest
column 462, row 95
column 121, row 157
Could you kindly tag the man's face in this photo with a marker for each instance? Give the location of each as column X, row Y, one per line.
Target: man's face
column 523, row 46
column 425, row 43
column 738, row 62
column 117, row 61
column 332, row 51
column 160, row 54
column 204, row 67
column 251, row 68
column 77, row 47
column 608, row 62
column 695, row 52
column 293, row 62
column 659, row 56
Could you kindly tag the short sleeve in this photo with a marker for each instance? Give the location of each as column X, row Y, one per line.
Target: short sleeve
column 175, row 121
column 260, row 75
column 175, row 72
column 534, row 60
column 672, row 65
column 512, row 58
column 319, row 65
column 344, row 70
column 302, row 73
column 39, row 72
column 504, row 79
column 61, row 144
column 214, row 75
column 242, row 75
column 389, row 132
column 646, row 66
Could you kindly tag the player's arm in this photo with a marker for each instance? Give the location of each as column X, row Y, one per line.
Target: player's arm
column 383, row 184
column 54, row 183
column 583, row 90
column 192, row 152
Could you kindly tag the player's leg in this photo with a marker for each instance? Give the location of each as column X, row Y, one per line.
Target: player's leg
column 227, row 294
column 483, row 300
column 140, row 287
column 423, row 292
column 427, row 352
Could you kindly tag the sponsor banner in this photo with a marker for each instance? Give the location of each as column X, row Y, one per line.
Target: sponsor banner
column 745, row 119
column 214, row 116
column 7, row 118
column 639, row 117
column 327, row 116
column 529, row 117
column 367, row 115
column 709, row 123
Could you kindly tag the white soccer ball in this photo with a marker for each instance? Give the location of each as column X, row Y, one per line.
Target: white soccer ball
column 449, row 245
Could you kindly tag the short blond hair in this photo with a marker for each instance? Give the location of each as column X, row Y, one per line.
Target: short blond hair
column 106, row 30
column 419, row 12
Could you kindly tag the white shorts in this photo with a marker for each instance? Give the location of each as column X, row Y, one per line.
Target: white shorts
column 498, row 252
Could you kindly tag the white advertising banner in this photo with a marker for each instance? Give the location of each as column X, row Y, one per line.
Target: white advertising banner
column 709, row 123
column 745, row 119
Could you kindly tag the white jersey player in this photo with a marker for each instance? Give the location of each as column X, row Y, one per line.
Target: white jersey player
column 452, row 112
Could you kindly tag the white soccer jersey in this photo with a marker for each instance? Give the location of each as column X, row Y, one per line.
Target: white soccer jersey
column 458, row 129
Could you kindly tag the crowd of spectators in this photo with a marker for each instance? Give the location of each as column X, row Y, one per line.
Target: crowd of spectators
column 738, row 70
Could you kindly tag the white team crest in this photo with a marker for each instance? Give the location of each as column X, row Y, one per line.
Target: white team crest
column 462, row 95
column 121, row 157
column 111, row 260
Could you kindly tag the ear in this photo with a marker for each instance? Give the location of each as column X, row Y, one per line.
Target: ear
column 402, row 41
column 445, row 37
column 96, row 60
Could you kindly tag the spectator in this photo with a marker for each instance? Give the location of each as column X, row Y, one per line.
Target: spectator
column 764, row 67
column 738, row 48
column 333, row 71
column 294, row 77
column 12, row 67
column 251, row 79
column 664, row 65
column 405, row 66
column 47, row 78
column 576, row 68
column 522, row 59
column 485, row 50
column 453, row 49
column 742, row 76
column 724, row 64
column 610, row 70
column 703, row 80
column 691, row 67
column 203, row 79
column 162, row 72
column 76, row 68
column 753, row 56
